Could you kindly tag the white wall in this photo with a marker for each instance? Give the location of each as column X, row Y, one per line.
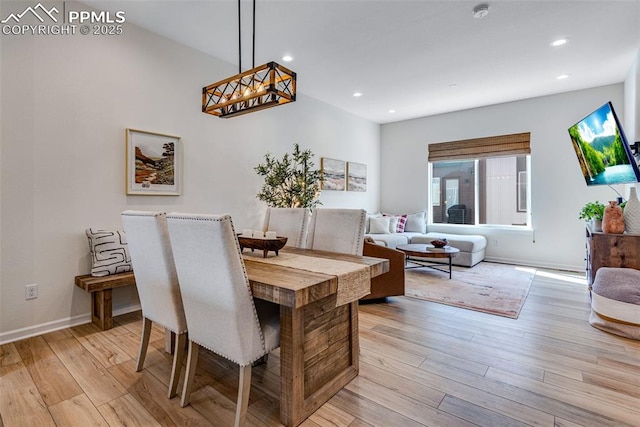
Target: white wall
column 558, row 190
column 632, row 101
column 1, row 181
column 632, row 108
column 66, row 101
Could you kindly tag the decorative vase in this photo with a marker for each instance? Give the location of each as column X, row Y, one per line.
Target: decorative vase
column 613, row 220
column 632, row 213
column 596, row 224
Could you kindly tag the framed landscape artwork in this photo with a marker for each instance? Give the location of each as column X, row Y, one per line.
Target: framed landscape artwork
column 333, row 174
column 154, row 163
column 356, row 177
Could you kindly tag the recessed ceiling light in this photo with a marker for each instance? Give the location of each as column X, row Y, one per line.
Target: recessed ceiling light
column 480, row 11
column 357, row 94
column 392, row 111
column 562, row 76
column 287, row 58
column 453, row 85
column 558, row 42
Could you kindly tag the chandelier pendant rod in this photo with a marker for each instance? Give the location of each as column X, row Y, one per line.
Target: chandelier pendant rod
column 253, row 48
column 239, row 40
column 261, row 87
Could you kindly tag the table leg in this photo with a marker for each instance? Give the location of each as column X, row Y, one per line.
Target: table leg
column 291, row 365
column 319, row 354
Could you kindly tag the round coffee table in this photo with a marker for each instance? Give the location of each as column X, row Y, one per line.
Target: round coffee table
column 421, row 250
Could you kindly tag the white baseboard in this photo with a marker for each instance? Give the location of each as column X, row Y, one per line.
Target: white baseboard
column 56, row 325
column 127, row 309
column 564, row 267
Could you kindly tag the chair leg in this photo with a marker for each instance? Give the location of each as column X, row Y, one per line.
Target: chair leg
column 169, row 341
column 144, row 343
column 244, row 387
column 192, row 361
column 178, row 358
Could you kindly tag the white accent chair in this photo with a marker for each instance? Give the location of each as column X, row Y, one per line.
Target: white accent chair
column 157, row 284
column 337, row 230
column 291, row 223
column 221, row 313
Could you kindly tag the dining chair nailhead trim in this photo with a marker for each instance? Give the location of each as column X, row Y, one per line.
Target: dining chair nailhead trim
column 239, row 252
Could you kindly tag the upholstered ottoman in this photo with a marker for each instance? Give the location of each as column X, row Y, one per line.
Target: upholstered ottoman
column 472, row 247
column 615, row 301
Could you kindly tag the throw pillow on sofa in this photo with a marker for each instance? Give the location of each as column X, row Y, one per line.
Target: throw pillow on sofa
column 393, row 224
column 379, row 225
column 416, row 223
column 397, row 224
column 367, row 223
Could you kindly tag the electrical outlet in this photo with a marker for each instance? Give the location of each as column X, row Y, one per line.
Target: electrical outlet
column 495, row 242
column 31, row 291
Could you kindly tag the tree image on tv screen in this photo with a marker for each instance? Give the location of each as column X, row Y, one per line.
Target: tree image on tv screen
column 600, row 149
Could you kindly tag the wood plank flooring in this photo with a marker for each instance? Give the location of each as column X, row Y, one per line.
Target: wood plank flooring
column 422, row 364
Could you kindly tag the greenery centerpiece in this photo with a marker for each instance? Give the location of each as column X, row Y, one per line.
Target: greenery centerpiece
column 592, row 210
column 290, row 182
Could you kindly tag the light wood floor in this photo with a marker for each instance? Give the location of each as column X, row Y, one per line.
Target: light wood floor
column 421, row 364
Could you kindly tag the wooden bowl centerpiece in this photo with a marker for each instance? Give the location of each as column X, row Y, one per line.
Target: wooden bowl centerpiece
column 263, row 244
column 439, row 243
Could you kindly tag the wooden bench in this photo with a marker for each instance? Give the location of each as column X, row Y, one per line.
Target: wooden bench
column 100, row 290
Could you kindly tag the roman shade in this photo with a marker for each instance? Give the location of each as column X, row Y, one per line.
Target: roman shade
column 516, row 144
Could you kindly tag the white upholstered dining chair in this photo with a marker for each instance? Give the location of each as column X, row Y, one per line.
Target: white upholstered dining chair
column 337, row 230
column 157, row 284
column 221, row 313
column 291, row 223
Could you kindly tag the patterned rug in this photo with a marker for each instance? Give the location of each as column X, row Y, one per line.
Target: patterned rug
column 499, row 289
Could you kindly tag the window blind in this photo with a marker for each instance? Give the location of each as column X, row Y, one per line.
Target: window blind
column 516, row 144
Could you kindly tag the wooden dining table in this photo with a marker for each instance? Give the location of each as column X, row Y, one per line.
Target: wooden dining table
column 319, row 348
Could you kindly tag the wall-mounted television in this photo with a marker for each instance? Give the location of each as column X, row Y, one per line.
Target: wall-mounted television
column 603, row 151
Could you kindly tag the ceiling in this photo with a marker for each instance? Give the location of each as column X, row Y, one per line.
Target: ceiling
column 418, row 58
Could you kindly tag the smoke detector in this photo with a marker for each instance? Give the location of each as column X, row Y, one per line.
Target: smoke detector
column 480, row 11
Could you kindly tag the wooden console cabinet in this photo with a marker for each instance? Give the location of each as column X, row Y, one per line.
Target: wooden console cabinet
column 611, row 250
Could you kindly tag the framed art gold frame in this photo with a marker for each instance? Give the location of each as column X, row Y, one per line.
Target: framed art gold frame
column 154, row 163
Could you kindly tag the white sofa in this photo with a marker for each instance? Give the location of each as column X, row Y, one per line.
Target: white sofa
column 472, row 247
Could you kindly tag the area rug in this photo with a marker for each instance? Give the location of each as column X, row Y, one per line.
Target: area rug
column 493, row 288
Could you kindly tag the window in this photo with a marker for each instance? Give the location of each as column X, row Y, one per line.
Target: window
column 480, row 181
